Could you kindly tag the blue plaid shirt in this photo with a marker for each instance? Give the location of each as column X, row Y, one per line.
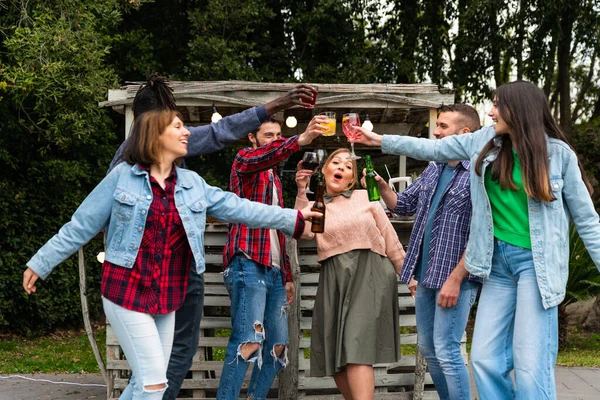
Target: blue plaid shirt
column 451, row 223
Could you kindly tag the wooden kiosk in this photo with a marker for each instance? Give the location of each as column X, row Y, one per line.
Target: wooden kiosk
column 393, row 109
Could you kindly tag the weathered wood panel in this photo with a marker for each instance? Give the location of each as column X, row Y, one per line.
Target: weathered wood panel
column 405, row 379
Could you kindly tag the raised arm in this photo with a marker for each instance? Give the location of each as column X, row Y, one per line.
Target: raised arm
column 252, row 160
column 450, row 148
column 215, row 136
column 404, row 203
column 302, row 177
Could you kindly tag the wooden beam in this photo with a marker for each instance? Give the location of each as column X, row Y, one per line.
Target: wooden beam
column 432, row 121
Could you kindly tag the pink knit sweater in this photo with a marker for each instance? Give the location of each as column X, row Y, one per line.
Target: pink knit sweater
column 355, row 223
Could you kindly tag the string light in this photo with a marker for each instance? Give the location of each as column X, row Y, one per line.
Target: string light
column 367, row 124
column 291, row 121
column 216, row 117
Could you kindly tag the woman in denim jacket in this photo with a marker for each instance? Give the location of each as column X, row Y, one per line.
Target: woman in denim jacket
column 155, row 214
column 526, row 185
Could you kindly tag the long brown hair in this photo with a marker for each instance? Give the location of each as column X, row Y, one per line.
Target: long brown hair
column 143, row 145
column 524, row 108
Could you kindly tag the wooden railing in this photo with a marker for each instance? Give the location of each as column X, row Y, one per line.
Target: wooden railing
column 405, row 379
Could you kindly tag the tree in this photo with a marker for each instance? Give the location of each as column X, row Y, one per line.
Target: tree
column 55, row 143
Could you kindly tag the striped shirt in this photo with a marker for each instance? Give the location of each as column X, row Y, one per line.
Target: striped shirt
column 451, row 224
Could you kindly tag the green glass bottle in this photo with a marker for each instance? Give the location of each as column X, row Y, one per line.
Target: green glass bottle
column 372, row 187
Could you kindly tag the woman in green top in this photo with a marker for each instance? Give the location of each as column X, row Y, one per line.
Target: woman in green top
column 526, row 184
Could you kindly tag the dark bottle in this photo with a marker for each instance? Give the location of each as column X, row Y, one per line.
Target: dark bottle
column 318, row 223
column 372, row 187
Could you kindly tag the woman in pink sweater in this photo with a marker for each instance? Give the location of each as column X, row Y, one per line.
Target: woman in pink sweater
column 355, row 317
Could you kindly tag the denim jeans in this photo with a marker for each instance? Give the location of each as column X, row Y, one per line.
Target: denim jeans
column 187, row 333
column 146, row 341
column 514, row 331
column 440, row 331
column 258, row 315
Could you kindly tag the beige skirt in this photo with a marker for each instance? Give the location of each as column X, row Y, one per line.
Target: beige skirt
column 355, row 317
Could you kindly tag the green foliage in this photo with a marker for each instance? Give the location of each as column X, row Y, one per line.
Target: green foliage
column 58, row 58
column 55, row 146
column 584, row 279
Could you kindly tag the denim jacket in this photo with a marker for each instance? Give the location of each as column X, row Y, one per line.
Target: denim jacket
column 549, row 221
column 121, row 202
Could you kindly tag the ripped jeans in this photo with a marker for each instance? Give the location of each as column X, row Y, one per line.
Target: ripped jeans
column 258, row 315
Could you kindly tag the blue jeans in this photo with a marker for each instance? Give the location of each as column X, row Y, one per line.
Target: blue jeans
column 146, row 341
column 187, row 333
column 514, row 331
column 258, row 315
column 440, row 331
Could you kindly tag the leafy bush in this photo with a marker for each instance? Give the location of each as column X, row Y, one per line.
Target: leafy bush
column 584, row 278
column 55, row 146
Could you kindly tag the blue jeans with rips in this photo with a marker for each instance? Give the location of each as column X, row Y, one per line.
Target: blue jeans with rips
column 440, row 331
column 513, row 330
column 187, row 333
column 258, row 315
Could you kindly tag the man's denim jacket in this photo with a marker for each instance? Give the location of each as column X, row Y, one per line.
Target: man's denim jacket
column 121, row 202
column 548, row 221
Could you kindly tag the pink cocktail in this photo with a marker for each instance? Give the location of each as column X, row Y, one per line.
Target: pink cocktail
column 350, row 122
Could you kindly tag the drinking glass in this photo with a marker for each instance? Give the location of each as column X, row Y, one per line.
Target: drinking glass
column 311, row 103
column 321, row 155
column 330, row 125
column 310, row 160
column 350, row 122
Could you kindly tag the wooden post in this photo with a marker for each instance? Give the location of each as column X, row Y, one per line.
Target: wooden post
column 432, row 121
column 86, row 315
column 402, row 172
column 128, row 120
column 288, row 377
column 420, row 368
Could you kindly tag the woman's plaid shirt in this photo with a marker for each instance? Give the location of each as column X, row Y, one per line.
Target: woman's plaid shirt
column 157, row 282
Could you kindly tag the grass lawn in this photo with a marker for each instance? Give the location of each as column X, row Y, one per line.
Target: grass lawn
column 60, row 352
column 70, row 352
column 582, row 350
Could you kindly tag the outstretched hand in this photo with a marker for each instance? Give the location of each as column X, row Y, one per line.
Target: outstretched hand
column 301, row 95
column 367, row 137
column 29, row 278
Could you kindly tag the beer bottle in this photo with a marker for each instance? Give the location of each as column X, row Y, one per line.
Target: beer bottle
column 372, row 187
column 318, row 223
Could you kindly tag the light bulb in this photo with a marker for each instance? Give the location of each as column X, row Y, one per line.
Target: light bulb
column 367, row 124
column 216, row 117
column 291, row 121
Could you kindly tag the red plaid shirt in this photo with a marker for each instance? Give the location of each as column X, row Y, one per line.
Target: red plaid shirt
column 158, row 280
column 250, row 179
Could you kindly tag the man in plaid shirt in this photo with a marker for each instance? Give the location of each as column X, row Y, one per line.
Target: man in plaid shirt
column 434, row 265
column 257, row 268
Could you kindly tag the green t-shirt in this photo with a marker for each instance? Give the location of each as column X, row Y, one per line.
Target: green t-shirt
column 510, row 212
